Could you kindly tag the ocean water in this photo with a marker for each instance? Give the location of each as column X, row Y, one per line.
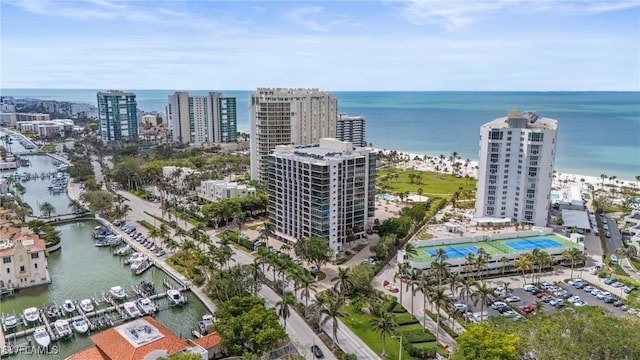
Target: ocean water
column 598, row 132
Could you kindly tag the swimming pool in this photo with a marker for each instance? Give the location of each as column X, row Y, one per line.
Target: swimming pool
column 553, row 196
column 387, row 197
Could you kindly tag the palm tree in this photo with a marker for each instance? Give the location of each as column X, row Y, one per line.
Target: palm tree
column 345, row 281
column 410, row 249
column 333, row 310
column 306, row 284
column 402, row 268
column 47, row 209
column 425, row 286
column 524, row 264
column 385, row 324
column 504, row 260
column 76, row 206
column 441, row 269
column 466, row 290
column 439, row 298
column 484, row 294
column 267, row 231
column 284, row 307
column 574, row 255
column 414, row 279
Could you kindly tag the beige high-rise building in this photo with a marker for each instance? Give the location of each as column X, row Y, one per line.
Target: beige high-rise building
column 202, row 119
column 288, row 117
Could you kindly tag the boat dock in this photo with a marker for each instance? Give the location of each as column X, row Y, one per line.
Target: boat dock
column 112, row 307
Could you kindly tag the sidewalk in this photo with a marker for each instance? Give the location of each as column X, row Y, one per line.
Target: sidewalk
column 388, row 274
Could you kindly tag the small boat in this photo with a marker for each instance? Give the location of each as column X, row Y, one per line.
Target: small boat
column 86, row 305
column 123, row 250
column 79, row 325
column 69, row 307
column 147, row 288
column 147, row 307
column 134, row 257
column 131, row 309
column 31, row 315
column 62, row 328
column 52, row 311
column 206, row 324
column 175, row 297
column 117, row 292
column 10, row 322
column 139, row 263
column 41, row 336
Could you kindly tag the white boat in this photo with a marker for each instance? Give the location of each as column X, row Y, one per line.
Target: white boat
column 42, row 337
column 175, row 297
column 206, row 324
column 131, row 309
column 147, row 307
column 86, row 305
column 31, row 315
column 117, row 292
column 123, row 250
column 79, row 325
column 139, row 263
column 69, row 307
column 62, row 327
column 10, row 322
column 133, row 257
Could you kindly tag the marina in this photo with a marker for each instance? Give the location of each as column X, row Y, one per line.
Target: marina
column 99, row 266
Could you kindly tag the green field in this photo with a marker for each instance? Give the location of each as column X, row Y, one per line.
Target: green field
column 494, row 248
column 432, row 184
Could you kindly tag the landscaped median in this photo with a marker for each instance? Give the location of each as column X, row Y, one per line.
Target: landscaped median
column 418, row 343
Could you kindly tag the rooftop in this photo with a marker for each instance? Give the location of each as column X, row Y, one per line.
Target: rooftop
column 529, row 119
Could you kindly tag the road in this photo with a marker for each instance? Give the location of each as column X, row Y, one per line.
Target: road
column 615, row 241
column 301, row 335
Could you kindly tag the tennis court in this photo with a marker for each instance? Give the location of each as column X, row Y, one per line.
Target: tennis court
column 455, row 252
column 530, row 244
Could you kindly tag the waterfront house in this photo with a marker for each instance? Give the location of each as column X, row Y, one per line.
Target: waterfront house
column 144, row 338
column 23, row 258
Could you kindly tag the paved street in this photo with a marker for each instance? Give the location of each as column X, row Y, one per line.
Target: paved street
column 615, row 241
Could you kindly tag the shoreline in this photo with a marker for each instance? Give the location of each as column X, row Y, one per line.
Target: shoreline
column 471, row 170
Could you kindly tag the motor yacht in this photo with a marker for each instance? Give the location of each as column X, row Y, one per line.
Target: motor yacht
column 41, row 336
column 117, row 292
column 175, row 297
column 86, row 305
column 10, row 322
column 131, row 309
column 31, row 315
column 147, row 307
column 69, row 307
column 62, row 327
column 79, row 325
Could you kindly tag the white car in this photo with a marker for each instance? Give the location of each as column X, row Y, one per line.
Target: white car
column 460, row 307
column 509, row 313
column 580, row 303
column 512, row 299
column 529, row 287
column 573, row 299
column 603, row 294
column 498, row 304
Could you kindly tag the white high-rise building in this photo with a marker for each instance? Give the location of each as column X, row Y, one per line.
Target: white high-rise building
column 517, row 156
column 324, row 190
column 118, row 115
column 351, row 129
column 288, row 117
column 202, row 119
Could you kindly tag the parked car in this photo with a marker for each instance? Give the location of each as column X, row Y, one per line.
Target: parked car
column 497, row 304
column 460, row 307
column 528, row 309
column 617, row 303
column 609, row 281
column 580, row 303
column 512, row 298
column 317, row 352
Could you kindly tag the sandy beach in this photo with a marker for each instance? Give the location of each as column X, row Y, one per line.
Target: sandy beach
column 444, row 166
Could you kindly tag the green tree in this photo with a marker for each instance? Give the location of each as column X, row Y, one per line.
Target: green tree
column 247, row 327
column 185, row 356
column 333, row 310
column 315, row 249
column 481, row 341
column 384, row 324
column 345, row 281
column 284, row 307
column 47, row 209
column 76, row 206
column 574, row 256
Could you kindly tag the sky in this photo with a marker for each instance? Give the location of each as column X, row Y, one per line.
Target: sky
column 392, row 45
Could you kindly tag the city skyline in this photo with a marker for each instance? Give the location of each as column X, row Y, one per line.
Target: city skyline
column 336, row 46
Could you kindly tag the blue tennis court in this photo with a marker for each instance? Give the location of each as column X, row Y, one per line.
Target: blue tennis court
column 530, row 244
column 454, row 252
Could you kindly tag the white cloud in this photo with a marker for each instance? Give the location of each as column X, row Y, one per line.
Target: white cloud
column 302, row 16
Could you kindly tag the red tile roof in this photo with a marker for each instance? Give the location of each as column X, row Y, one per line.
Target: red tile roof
column 92, row 353
column 209, row 341
column 116, row 347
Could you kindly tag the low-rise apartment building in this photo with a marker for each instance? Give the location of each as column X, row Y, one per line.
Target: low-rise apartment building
column 216, row 190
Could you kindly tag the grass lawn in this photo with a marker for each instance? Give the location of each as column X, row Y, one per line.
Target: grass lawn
column 432, row 184
column 359, row 324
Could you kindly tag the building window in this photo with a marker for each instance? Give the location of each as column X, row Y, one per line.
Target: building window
column 35, row 255
column 22, row 268
column 495, row 134
column 6, row 260
column 36, row 265
column 8, row 271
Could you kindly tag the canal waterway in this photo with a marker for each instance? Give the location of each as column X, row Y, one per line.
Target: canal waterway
column 81, row 270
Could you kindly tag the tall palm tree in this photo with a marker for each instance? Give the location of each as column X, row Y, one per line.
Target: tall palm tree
column 414, row 278
column 574, row 255
column 154, row 233
column 76, row 206
column 384, row 324
column 466, row 290
column 402, row 269
column 345, row 281
column 504, row 260
column 439, row 298
column 440, row 268
column 426, row 287
column 306, row 284
column 47, row 209
column 410, row 250
column 484, row 294
column 267, row 231
column 284, row 307
column 333, row 310
column 524, row 264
